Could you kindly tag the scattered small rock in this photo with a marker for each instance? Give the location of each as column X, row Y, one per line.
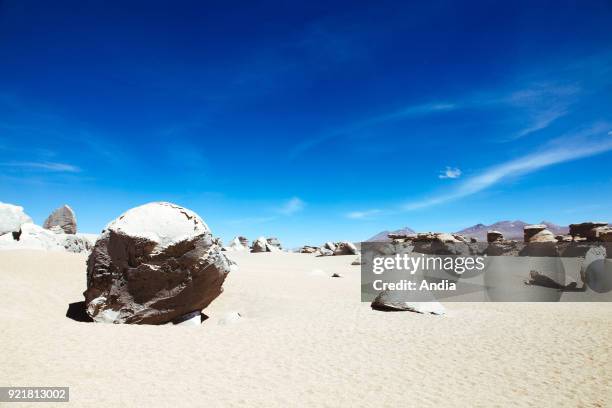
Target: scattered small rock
column 230, row 318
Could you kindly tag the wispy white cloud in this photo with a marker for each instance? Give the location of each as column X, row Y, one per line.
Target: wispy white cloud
column 450, row 173
column 357, row 215
column 541, row 104
column 534, row 107
column 286, row 209
column 43, row 166
column 292, row 206
column 542, row 120
column 588, row 142
column 406, row 112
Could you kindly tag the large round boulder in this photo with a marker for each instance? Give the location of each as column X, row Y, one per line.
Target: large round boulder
column 152, row 265
column 63, row 218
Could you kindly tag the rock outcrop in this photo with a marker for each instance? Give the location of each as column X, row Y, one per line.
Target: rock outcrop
column 391, row 301
column 605, row 234
column 12, row 218
column 306, row 249
column 543, row 236
column 346, row 248
column 63, row 218
column 329, row 245
column 493, row 236
column 32, row 236
column 152, row 265
column 325, row 252
column 274, row 242
column 235, row 245
column 531, row 230
column 259, row 245
column 263, row 244
column 588, row 230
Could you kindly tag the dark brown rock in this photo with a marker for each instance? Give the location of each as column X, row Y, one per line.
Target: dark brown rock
column 586, row 229
column 493, row 236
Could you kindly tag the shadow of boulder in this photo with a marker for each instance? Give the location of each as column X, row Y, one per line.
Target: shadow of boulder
column 76, row 311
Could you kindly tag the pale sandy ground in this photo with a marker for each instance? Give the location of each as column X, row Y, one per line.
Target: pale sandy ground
column 305, row 340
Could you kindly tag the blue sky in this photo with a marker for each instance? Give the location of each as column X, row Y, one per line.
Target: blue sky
column 309, row 122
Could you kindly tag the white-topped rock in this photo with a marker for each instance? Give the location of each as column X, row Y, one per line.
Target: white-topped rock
column 12, row 217
column 260, row 245
column 164, row 223
column 235, row 245
column 32, row 237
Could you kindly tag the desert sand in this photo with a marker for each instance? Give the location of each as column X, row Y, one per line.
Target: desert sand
column 304, row 339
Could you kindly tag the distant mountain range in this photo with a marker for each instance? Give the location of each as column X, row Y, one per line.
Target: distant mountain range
column 382, row 236
column 510, row 230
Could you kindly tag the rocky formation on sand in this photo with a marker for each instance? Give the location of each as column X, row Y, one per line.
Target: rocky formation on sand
column 273, row 241
column 259, row 245
column 512, row 230
column 329, row 245
column 345, row 248
column 538, row 233
column 153, row 265
column 17, row 231
column 391, row 301
column 35, row 237
column 263, row 244
column 306, row 249
column 493, row 236
column 325, row 252
column 531, row 230
column 385, row 236
column 590, row 231
column 235, row 245
column 63, row 218
column 12, row 218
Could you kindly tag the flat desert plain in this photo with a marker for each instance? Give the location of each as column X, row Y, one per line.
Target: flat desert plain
column 304, row 339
